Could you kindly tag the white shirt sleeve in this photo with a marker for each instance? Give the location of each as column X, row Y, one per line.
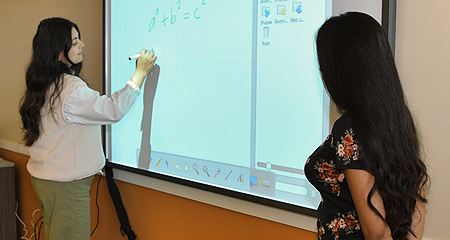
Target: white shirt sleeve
column 84, row 105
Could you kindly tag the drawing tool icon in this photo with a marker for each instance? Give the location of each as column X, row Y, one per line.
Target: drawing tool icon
column 176, row 165
column 217, row 173
column 205, row 169
column 228, row 175
column 241, row 178
column 158, row 163
column 195, row 168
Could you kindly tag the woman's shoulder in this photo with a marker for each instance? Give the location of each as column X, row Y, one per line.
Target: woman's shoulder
column 346, row 142
column 345, row 122
column 72, row 81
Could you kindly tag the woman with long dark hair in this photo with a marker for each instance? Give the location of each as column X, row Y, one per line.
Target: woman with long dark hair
column 61, row 119
column 369, row 170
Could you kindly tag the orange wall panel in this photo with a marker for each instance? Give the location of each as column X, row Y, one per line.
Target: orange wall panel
column 154, row 214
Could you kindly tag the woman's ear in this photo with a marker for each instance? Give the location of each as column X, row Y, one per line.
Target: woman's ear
column 63, row 59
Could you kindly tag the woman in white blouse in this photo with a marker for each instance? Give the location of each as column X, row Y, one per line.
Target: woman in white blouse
column 62, row 120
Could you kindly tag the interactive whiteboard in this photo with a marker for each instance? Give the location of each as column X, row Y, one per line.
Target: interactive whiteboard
column 234, row 104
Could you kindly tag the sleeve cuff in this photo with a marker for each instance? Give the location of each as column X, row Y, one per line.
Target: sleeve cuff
column 133, row 85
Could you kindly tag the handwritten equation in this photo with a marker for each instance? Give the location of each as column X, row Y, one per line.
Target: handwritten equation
column 164, row 20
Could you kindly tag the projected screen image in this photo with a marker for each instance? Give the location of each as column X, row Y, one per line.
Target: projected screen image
column 235, row 99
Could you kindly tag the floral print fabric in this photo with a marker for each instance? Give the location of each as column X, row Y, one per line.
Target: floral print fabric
column 328, row 175
column 346, row 223
column 337, row 217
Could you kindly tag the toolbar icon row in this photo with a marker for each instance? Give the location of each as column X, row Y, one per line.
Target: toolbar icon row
column 297, row 7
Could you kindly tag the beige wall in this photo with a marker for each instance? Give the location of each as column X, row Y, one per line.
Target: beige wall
column 18, row 24
column 422, row 54
column 423, row 60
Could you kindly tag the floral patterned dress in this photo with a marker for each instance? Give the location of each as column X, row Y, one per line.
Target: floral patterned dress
column 337, row 218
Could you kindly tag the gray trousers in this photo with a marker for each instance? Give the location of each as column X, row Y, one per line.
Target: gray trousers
column 65, row 207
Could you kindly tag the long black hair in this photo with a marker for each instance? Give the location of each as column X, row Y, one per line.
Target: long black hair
column 359, row 73
column 45, row 71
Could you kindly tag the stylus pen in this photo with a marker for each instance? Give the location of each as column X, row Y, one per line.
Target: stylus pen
column 134, row 56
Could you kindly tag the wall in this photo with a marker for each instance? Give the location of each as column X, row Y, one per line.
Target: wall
column 18, row 24
column 422, row 55
column 153, row 214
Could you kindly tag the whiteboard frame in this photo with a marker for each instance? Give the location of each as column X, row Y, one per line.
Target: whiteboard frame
column 303, row 221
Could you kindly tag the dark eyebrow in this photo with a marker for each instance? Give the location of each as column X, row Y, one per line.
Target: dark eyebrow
column 75, row 38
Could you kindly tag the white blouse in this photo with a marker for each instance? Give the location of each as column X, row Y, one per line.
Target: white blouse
column 70, row 145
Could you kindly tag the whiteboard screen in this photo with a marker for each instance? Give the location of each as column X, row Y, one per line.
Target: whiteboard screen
column 234, row 104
